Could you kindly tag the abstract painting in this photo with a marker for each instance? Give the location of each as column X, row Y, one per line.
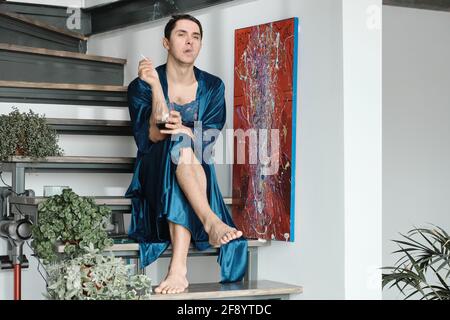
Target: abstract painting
column 264, row 121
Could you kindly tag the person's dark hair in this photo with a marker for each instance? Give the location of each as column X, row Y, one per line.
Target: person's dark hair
column 171, row 24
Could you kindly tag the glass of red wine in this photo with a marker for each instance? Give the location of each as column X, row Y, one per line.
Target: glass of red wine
column 161, row 115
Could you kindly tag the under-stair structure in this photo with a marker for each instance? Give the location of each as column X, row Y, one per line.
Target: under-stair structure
column 60, row 72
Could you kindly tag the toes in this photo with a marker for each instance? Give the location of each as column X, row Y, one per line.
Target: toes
column 159, row 288
column 230, row 235
column 171, row 290
column 165, row 289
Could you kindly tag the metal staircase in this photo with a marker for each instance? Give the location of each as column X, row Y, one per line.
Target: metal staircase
column 43, row 63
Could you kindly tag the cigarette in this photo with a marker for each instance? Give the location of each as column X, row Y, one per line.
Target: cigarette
column 144, row 57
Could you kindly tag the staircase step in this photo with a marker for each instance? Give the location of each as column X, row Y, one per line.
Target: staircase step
column 20, row 63
column 110, row 201
column 90, row 127
column 74, row 159
column 57, row 16
column 20, row 30
column 121, row 204
column 121, row 249
column 62, row 54
column 63, row 93
column 118, row 205
column 62, row 86
column 43, row 25
column 71, row 163
column 257, row 289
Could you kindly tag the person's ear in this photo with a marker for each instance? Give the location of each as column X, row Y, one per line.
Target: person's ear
column 166, row 43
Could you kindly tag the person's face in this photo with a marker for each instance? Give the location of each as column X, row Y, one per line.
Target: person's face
column 185, row 41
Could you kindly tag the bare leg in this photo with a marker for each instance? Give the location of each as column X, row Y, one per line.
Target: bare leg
column 175, row 281
column 192, row 180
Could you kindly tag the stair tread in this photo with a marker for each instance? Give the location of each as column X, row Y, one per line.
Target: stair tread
column 62, row 86
column 90, row 126
column 134, row 246
column 75, row 159
column 107, row 200
column 62, row 54
column 88, row 122
column 44, row 25
column 231, row 290
column 100, row 200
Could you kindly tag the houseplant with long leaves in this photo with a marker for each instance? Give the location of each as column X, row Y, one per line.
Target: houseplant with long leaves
column 423, row 267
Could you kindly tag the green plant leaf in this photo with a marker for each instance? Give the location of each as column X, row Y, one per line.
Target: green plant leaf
column 418, row 261
column 58, row 222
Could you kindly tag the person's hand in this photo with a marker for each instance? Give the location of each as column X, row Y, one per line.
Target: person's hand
column 147, row 72
column 174, row 125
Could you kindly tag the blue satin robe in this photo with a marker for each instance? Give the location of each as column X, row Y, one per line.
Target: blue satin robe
column 154, row 191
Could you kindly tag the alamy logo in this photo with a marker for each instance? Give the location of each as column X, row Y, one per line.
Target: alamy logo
column 373, row 21
column 74, row 18
column 263, row 147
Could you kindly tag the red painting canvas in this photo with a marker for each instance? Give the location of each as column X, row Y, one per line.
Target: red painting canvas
column 264, row 122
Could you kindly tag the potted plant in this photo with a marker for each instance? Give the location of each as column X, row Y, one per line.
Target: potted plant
column 27, row 134
column 93, row 276
column 71, row 220
column 82, row 272
column 423, row 266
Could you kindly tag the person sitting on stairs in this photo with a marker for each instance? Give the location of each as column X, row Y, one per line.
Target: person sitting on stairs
column 175, row 195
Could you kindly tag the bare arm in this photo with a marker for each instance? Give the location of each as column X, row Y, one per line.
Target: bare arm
column 158, row 101
column 149, row 74
column 174, row 126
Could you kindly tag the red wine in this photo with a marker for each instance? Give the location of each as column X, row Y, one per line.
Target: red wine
column 161, row 125
column 189, row 124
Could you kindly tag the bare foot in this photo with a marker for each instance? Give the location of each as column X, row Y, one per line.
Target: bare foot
column 220, row 233
column 175, row 282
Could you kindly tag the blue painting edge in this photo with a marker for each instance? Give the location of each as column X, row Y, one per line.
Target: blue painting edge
column 294, row 129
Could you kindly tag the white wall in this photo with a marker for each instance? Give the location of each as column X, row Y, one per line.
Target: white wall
column 316, row 259
column 416, row 123
column 362, row 147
